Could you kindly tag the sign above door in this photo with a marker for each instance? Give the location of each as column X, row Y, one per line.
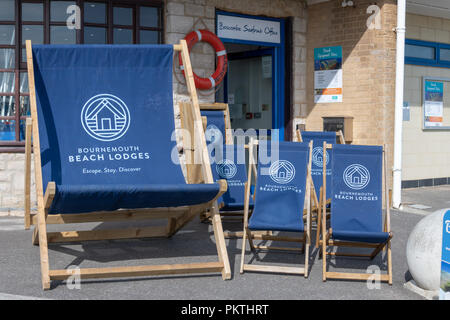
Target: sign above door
column 248, row 29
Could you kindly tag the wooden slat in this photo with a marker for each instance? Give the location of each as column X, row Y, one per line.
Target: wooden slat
column 274, row 269
column 139, row 271
column 110, row 216
column 278, row 248
column 111, row 234
column 199, row 138
column 27, row 176
column 42, row 228
column 355, row 276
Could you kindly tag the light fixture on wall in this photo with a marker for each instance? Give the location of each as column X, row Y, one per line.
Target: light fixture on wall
column 348, row 3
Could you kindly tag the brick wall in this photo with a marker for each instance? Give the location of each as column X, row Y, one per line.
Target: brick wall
column 368, row 69
column 181, row 15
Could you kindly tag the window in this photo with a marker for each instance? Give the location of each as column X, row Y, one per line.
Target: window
column 45, row 21
column 426, row 53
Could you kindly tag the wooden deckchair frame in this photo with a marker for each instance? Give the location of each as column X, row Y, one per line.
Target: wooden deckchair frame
column 250, row 236
column 377, row 247
column 177, row 216
column 232, row 215
column 317, row 202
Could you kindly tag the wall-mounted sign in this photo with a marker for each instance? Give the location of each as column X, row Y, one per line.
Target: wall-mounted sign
column 248, row 29
column 328, row 74
column 444, row 292
column 433, row 103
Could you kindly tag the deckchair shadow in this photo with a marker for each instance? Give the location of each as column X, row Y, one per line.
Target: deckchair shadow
column 356, row 208
column 282, row 193
column 104, row 150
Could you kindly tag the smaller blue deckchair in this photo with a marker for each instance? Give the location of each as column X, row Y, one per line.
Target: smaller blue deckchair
column 318, row 138
column 282, row 192
column 230, row 166
column 356, row 207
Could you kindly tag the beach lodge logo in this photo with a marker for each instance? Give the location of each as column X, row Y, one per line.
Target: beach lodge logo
column 282, row 171
column 105, row 117
column 356, row 176
column 317, row 157
column 226, row 169
column 213, row 134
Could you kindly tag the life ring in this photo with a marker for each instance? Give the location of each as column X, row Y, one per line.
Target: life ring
column 222, row 61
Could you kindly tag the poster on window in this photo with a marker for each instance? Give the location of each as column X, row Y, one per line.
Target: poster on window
column 433, row 103
column 444, row 291
column 328, row 74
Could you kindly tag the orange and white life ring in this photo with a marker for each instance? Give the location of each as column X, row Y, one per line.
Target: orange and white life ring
column 222, row 61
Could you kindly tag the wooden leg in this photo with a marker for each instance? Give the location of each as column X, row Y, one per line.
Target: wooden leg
column 27, row 182
column 244, row 238
column 220, row 242
column 43, row 249
column 389, row 261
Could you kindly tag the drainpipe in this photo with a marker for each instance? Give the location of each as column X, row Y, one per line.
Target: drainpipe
column 399, row 82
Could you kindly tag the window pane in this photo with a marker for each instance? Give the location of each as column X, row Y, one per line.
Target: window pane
column 58, row 10
column 421, row 52
column 95, row 12
column 7, row 10
column 123, row 36
column 32, row 12
column 149, row 17
column 24, row 82
column 25, row 106
column 123, row 16
column 149, row 37
column 8, row 34
column 24, row 55
column 7, row 82
column 62, row 35
column 445, row 54
column 7, row 106
column 7, row 129
column 33, row 33
column 94, row 35
column 7, row 58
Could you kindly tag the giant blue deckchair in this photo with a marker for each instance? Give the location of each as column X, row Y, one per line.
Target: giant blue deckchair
column 318, row 138
column 356, row 207
column 282, row 192
column 103, row 123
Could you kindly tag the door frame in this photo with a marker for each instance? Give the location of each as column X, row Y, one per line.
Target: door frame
column 278, row 67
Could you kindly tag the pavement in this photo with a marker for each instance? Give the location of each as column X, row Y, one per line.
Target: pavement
column 20, row 267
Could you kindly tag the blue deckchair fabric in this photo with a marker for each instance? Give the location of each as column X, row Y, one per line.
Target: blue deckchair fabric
column 318, row 138
column 106, row 120
column 215, row 126
column 230, row 165
column 356, row 206
column 280, row 189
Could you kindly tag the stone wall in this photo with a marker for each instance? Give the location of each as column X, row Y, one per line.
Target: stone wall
column 12, row 168
column 425, row 154
column 368, row 69
column 182, row 15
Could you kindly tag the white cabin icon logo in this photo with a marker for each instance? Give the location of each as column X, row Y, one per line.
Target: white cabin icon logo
column 213, row 134
column 105, row 117
column 282, row 171
column 317, row 157
column 226, row 169
column 356, row 176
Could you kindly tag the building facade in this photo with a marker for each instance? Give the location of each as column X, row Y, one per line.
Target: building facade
column 293, row 64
